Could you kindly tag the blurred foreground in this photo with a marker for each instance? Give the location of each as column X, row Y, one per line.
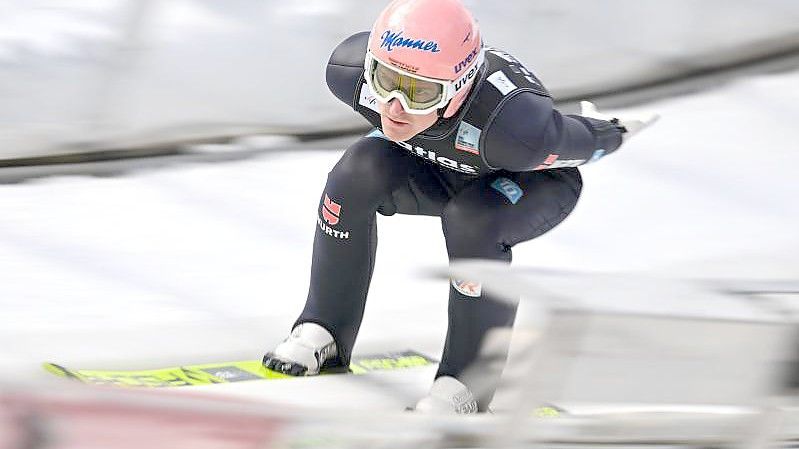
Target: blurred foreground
column 667, row 364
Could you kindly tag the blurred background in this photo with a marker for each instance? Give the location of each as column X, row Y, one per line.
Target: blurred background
column 161, row 163
column 99, row 75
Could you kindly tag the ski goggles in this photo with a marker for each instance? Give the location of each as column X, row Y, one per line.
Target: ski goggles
column 418, row 95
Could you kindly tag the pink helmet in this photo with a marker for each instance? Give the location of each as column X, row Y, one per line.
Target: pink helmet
column 433, row 39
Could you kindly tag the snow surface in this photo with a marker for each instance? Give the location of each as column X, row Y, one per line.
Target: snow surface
column 204, row 262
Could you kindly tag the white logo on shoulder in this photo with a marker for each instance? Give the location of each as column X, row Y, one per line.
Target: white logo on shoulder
column 368, row 99
column 501, row 82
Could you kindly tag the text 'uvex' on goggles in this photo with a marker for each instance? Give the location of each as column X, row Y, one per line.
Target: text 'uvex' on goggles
column 418, row 94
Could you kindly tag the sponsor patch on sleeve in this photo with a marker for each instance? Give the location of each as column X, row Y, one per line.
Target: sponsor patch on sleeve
column 552, row 161
column 468, row 138
column 501, row 82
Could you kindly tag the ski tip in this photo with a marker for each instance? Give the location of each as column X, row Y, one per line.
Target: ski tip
column 58, row 370
column 549, row 411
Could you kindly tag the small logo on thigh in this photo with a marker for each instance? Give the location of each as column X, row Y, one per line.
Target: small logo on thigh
column 331, row 211
column 331, row 214
column 468, row 288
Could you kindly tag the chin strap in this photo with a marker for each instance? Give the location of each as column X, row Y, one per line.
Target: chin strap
column 441, row 111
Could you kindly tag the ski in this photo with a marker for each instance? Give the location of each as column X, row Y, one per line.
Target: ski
column 228, row 372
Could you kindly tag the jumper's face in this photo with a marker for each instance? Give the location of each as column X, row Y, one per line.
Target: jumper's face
column 400, row 126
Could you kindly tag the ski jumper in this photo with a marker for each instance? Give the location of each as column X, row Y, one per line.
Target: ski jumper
column 499, row 172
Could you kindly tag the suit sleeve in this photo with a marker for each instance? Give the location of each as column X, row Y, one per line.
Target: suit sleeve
column 345, row 67
column 528, row 133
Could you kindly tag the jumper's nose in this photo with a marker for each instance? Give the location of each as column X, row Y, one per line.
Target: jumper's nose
column 395, row 108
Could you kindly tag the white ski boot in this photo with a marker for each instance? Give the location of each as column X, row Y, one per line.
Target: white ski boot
column 304, row 352
column 447, row 396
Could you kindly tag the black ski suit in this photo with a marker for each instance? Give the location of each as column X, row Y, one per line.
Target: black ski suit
column 500, row 172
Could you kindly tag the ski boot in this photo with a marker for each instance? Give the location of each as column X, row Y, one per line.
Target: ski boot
column 447, row 396
column 304, row 352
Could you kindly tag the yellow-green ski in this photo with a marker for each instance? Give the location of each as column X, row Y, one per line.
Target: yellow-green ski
column 227, row 372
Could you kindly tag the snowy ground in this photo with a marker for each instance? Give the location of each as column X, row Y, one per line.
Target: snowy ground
column 203, row 262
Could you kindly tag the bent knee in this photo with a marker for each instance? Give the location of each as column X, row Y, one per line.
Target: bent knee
column 467, row 230
column 366, row 159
